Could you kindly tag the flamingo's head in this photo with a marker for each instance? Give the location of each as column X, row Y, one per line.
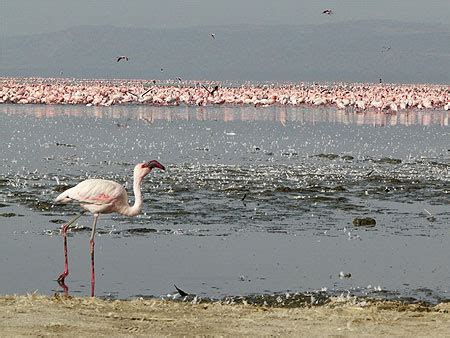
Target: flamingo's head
column 143, row 169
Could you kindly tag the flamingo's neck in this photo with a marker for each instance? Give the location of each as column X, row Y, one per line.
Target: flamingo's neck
column 137, row 206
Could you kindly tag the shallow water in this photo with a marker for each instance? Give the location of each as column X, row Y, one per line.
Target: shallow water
column 254, row 200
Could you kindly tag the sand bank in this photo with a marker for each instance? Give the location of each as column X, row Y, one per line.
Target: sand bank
column 41, row 315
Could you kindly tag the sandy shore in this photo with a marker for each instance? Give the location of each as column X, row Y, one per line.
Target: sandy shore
column 40, row 315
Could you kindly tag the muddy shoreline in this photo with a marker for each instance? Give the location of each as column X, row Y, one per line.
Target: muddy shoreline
column 64, row 316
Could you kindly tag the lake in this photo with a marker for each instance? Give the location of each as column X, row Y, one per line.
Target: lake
column 253, row 201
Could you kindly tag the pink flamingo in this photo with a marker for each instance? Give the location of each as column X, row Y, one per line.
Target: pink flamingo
column 103, row 197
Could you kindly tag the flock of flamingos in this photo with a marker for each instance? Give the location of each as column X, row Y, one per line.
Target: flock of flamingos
column 360, row 97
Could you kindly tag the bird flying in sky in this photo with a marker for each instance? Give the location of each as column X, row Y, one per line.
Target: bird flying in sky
column 123, row 57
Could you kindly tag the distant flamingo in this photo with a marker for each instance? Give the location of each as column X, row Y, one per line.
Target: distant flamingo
column 103, row 197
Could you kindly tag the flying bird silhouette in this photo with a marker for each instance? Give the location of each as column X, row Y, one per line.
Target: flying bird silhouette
column 327, row 11
column 213, row 36
column 211, row 92
column 123, row 57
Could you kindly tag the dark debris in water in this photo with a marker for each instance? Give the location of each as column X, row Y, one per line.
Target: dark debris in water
column 57, row 221
column 65, row 145
column 42, row 206
column 139, row 231
column 3, row 205
column 328, row 156
column 8, row 214
column 276, row 229
column 365, row 221
column 389, row 160
column 329, row 199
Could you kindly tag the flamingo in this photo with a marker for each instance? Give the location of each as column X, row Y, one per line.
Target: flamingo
column 103, row 197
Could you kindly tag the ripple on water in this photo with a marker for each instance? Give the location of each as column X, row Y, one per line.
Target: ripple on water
column 275, row 195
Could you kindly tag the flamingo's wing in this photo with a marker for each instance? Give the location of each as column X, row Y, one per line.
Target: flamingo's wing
column 93, row 191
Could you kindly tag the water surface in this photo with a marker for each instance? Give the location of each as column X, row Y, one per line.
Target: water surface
column 254, row 200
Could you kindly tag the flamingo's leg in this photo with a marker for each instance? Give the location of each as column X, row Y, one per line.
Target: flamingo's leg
column 92, row 243
column 66, row 262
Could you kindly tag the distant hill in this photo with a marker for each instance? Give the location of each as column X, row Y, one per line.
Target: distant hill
column 360, row 51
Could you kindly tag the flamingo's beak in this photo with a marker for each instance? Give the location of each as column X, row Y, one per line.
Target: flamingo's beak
column 155, row 164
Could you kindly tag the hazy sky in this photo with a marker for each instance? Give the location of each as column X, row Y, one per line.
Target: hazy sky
column 37, row 16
